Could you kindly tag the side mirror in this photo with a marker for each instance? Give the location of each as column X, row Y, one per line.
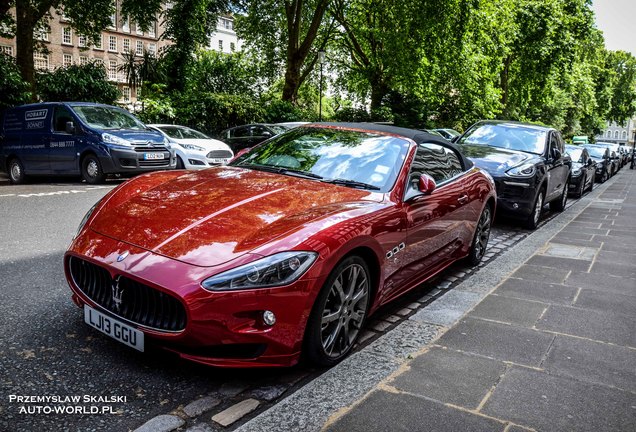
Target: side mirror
column 70, row 127
column 266, row 134
column 426, row 184
column 240, row 153
column 556, row 153
column 590, row 162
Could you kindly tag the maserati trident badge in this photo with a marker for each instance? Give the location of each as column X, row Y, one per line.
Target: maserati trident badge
column 122, row 257
column 117, row 293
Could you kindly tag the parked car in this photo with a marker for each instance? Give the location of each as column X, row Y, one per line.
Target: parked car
column 247, row 136
column 583, row 170
column 528, row 163
column 449, row 134
column 73, row 138
column 194, row 149
column 291, row 125
column 601, row 156
column 285, row 251
column 621, row 153
column 613, row 158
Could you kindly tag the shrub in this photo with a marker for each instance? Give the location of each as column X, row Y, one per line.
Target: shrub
column 13, row 90
column 86, row 83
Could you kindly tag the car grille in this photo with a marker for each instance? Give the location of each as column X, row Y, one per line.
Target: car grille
column 154, row 163
column 219, row 154
column 140, row 303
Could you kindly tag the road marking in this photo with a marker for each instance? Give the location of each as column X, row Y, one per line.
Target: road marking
column 55, row 193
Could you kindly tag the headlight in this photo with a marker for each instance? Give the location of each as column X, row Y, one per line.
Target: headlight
column 275, row 270
column 192, row 147
column 112, row 139
column 576, row 172
column 525, row 170
column 85, row 219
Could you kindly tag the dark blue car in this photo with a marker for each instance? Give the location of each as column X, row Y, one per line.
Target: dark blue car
column 72, row 138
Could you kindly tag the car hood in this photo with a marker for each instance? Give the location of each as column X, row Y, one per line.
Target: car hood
column 209, row 217
column 208, row 144
column 495, row 160
column 143, row 136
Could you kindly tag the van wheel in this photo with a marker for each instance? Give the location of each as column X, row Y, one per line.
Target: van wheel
column 92, row 170
column 16, row 171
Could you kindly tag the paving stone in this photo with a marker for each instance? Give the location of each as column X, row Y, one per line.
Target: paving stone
column 550, row 403
column 573, row 241
column 404, row 311
column 161, row 423
column 450, row 377
column 586, row 231
column 560, row 263
column 380, row 326
column 570, row 251
column 516, row 428
column 605, row 301
column 201, row 427
column 595, row 281
column 615, row 269
column 624, row 250
column 534, row 290
column 541, row 274
column 615, row 257
column 231, row 389
column 510, row 310
column 365, row 336
column 200, row 406
column 447, row 309
column 602, row 326
column 392, row 318
column 593, row 362
column 415, row 413
column 269, row 393
column 500, row 341
column 235, row 412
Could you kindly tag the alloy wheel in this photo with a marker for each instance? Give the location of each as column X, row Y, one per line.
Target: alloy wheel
column 483, row 234
column 16, row 171
column 538, row 207
column 92, row 169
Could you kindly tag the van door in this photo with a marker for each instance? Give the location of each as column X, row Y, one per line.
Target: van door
column 34, row 143
column 63, row 151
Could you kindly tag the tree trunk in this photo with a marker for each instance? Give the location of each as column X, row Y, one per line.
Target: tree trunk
column 504, row 79
column 379, row 90
column 26, row 18
column 292, row 79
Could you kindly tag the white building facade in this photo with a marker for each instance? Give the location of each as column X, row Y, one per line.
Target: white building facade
column 615, row 133
column 225, row 39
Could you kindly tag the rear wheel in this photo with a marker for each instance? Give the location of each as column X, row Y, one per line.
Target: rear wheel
column 559, row 205
column 92, row 170
column 16, row 171
column 339, row 313
column 604, row 177
column 533, row 218
column 480, row 240
column 581, row 188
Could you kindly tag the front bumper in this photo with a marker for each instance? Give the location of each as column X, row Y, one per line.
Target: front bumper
column 515, row 197
column 222, row 328
column 137, row 160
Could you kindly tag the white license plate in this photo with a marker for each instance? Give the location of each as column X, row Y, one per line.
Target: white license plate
column 219, row 161
column 116, row 329
column 153, row 156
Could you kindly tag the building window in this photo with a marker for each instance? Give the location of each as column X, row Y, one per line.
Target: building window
column 99, row 42
column 41, row 61
column 67, row 60
column 220, row 45
column 125, row 25
column 6, row 49
column 125, row 93
column 139, row 48
column 151, row 31
column 126, row 45
column 138, row 29
column 152, row 49
column 112, row 43
column 112, row 70
column 113, row 17
column 41, row 34
column 81, row 41
column 615, row 134
column 67, row 36
column 624, row 134
column 226, row 23
column 83, row 60
column 99, row 62
column 232, row 46
column 609, row 134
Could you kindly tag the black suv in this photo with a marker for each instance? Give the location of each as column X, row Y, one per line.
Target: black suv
column 528, row 163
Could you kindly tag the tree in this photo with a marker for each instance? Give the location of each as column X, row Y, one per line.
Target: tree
column 622, row 67
column 289, row 32
column 13, row 89
column 87, row 83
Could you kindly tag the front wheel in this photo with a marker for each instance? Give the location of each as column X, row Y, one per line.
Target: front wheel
column 92, row 170
column 480, row 240
column 559, row 205
column 338, row 313
column 533, row 218
column 581, row 188
column 16, row 171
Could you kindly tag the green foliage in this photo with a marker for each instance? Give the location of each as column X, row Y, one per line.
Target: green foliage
column 86, row 83
column 217, row 72
column 13, row 89
column 278, row 111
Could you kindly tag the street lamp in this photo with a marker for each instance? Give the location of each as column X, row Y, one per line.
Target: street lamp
column 321, row 61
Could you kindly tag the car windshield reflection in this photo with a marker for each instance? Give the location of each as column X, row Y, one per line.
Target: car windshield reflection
column 509, row 136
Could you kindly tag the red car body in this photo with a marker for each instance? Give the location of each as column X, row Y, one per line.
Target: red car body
column 175, row 229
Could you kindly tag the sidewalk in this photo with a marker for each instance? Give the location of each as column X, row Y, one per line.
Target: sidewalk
column 543, row 338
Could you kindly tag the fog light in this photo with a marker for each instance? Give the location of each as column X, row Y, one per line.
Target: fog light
column 515, row 206
column 269, row 318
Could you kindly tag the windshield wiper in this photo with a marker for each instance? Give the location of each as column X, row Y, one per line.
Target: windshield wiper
column 281, row 170
column 352, row 183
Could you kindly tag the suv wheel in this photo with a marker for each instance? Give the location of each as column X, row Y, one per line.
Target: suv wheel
column 535, row 216
column 559, row 205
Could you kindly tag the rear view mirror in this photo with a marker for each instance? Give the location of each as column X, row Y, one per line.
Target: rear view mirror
column 70, row 127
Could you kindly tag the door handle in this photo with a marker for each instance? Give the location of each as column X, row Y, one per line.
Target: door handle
column 462, row 199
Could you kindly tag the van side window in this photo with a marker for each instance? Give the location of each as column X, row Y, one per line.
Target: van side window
column 61, row 116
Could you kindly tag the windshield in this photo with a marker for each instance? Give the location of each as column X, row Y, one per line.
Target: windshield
column 278, row 129
column 574, row 152
column 180, row 132
column 330, row 154
column 507, row 136
column 596, row 152
column 105, row 117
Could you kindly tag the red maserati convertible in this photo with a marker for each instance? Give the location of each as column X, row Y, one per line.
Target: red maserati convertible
column 286, row 251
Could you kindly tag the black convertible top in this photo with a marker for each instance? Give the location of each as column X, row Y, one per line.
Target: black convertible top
column 417, row 136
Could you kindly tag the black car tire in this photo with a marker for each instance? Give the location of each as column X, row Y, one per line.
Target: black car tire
column 537, row 208
column 581, row 188
column 592, row 183
column 339, row 312
column 15, row 169
column 559, row 205
column 92, row 170
column 604, row 176
column 481, row 237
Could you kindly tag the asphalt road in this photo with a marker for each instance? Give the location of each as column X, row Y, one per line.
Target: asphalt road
column 46, row 349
